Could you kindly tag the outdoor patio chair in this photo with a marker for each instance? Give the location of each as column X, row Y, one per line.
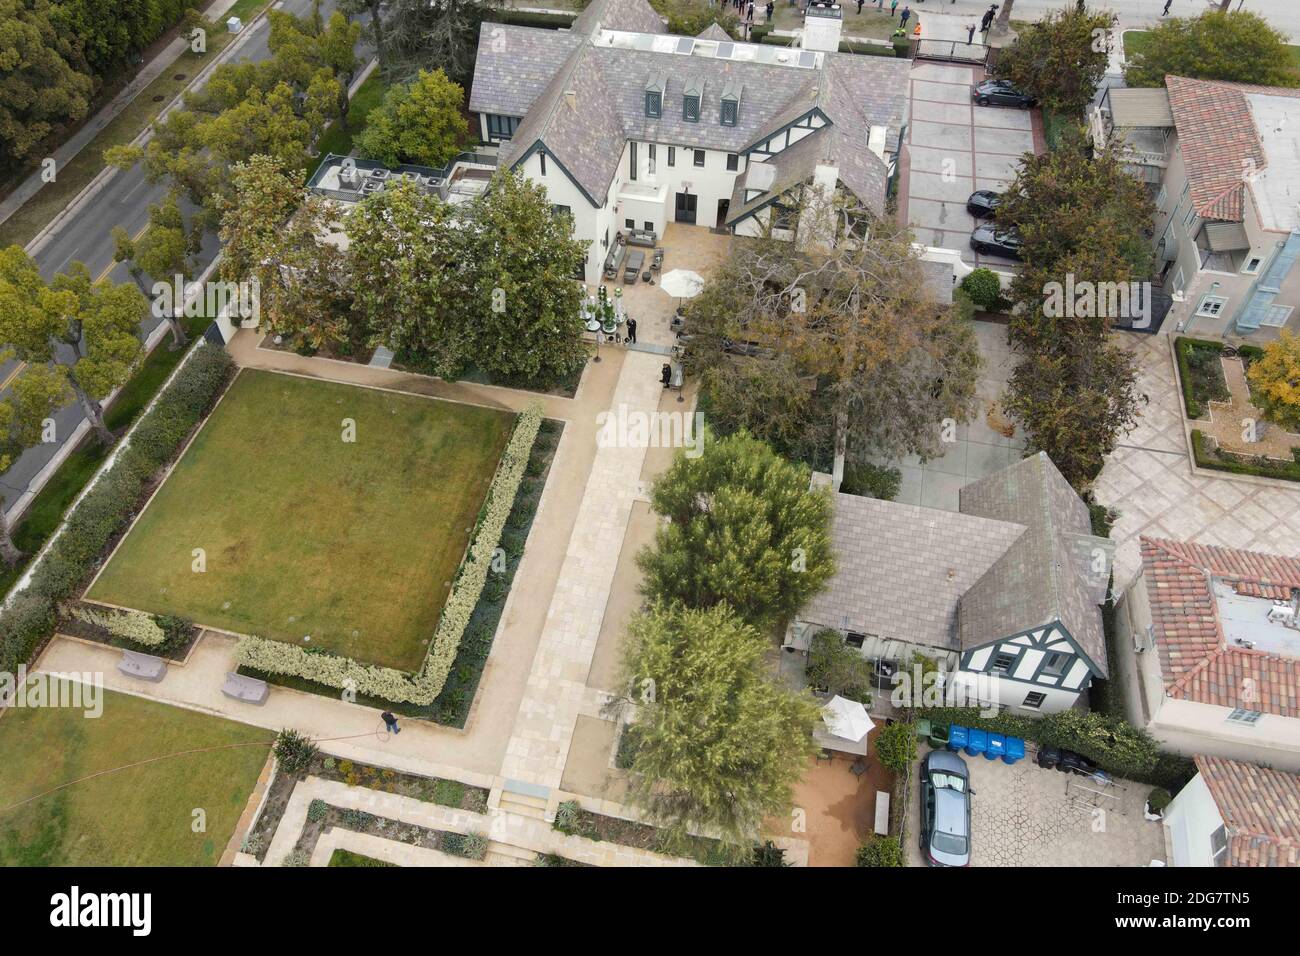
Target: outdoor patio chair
column 142, row 666
column 657, row 260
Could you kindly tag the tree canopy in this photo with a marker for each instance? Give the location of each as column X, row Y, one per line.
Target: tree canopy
column 1275, row 381
column 1060, row 59
column 743, row 528
column 721, row 742
column 1218, row 45
column 420, row 122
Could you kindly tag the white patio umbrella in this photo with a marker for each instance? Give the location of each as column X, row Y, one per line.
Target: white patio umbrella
column 682, row 283
column 846, row 718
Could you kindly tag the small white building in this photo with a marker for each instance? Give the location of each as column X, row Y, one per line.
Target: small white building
column 1235, row 814
column 1003, row 595
column 630, row 127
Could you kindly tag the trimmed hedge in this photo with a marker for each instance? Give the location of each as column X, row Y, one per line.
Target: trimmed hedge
column 1209, row 456
column 1183, row 351
column 109, row 504
column 130, row 625
column 1114, row 745
column 524, row 18
column 423, row 687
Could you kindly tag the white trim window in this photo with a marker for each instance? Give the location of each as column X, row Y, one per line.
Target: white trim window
column 1252, row 265
column 1211, row 306
column 1034, row 700
column 1240, row 715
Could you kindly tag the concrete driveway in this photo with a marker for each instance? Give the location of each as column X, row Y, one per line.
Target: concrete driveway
column 953, row 148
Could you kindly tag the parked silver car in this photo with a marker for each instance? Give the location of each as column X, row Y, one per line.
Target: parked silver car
column 945, row 809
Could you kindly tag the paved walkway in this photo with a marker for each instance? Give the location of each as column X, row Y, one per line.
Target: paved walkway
column 1150, row 482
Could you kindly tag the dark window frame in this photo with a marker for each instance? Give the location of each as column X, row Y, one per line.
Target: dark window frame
column 699, row 158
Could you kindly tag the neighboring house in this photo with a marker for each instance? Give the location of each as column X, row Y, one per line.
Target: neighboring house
column 1003, row 595
column 629, row 127
column 1223, row 163
column 1235, row 814
column 1217, row 650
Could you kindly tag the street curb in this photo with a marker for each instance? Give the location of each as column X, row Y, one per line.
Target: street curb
column 95, row 185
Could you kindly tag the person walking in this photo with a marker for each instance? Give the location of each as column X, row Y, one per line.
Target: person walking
column 666, row 374
column 893, row 5
column 1165, row 11
column 390, row 722
column 771, row 8
column 631, row 330
column 905, row 15
column 970, row 34
column 987, row 20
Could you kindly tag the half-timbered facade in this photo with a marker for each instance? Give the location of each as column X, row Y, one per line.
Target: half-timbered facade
column 1004, row 595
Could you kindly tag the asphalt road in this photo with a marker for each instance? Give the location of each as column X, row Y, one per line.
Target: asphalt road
column 87, row 237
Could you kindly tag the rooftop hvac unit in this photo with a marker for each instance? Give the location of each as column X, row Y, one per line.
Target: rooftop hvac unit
column 371, row 186
column 348, row 176
column 380, row 174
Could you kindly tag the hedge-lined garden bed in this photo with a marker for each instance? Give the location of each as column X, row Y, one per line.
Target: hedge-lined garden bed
column 1209, row 455
column 422, row 688
column 447, row 793
column 104, row 513
column 1200, row 374
column 452, row 706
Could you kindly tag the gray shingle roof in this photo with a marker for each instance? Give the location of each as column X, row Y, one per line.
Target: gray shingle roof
column 713, row 32
column 1038, row 580
column 634, row 16
column 514, row 65
column 608, row 84
column 902, row 569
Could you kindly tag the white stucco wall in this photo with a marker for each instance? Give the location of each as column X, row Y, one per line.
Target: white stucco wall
column 1189, row 821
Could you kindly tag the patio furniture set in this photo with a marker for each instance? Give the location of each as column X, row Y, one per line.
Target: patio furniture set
column 630, row 262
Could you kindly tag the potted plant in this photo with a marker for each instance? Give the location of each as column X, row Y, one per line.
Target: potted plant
column 1157, row 800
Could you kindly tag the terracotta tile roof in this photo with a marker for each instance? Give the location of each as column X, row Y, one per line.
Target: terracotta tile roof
column 1196, row 663
column 1218, row 137
column 1260, row 810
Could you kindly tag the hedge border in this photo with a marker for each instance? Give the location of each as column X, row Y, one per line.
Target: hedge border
column 110, row 499
column 1234, row 464
column 424, row 686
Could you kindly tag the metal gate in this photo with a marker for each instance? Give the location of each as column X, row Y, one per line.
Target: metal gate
column 954, row 51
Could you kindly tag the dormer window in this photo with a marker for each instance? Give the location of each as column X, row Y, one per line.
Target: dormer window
column 654, row 95
column 729, row 111
column 691, row 97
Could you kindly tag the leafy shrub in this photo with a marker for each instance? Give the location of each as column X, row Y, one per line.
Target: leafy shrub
column 317, row 810
column 896, row 746
column 1158, row 799
column 472, row 846
column 880, row 851
column 449, row 793
column 297, row 858
column 769, row 854
column 871, row 481
column 984, row 288
column 836, row 668
column 254, row 844
column 294, row 751
column 27, row 621
column 567, row 815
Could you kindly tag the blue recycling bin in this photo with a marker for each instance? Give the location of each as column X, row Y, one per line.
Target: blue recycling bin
column 1015, row 750
column 957, row 737
column 977, row 742
column 997, row 747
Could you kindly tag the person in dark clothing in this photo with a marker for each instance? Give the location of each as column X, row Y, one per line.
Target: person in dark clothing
column 987, row 20
column 970, row 34
column 770, row 7
column 860, row 6
column 905, row 16
column 1165, row 11
column 631, row 331
column 666, row 374
column 390, row 722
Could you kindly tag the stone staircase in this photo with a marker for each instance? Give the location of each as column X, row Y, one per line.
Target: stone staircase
column 523, row 804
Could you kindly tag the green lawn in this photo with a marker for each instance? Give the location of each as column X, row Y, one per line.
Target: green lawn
column 369, row 95
column 348, row 858
column 304, row 534
column 871, row 22
column 142, row 816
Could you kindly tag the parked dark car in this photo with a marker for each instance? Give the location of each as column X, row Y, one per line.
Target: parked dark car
column 945, row 809
column 988, row 239
column 999, row 93
column 983, row 203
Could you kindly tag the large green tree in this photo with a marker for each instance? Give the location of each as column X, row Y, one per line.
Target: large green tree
column 165, row 250
column 89, row 330
column 853, row 352
column 274, row 236
column 26, row 415
column 413, row 277
column 1061, row 59
column 416, row 35
column 721, row 741
column 1218, row 45
column 743, row 527
column 525, row 316
column 421, row 122
column 43, row 79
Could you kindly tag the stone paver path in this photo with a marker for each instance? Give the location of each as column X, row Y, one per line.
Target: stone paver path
column 1150, row 482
